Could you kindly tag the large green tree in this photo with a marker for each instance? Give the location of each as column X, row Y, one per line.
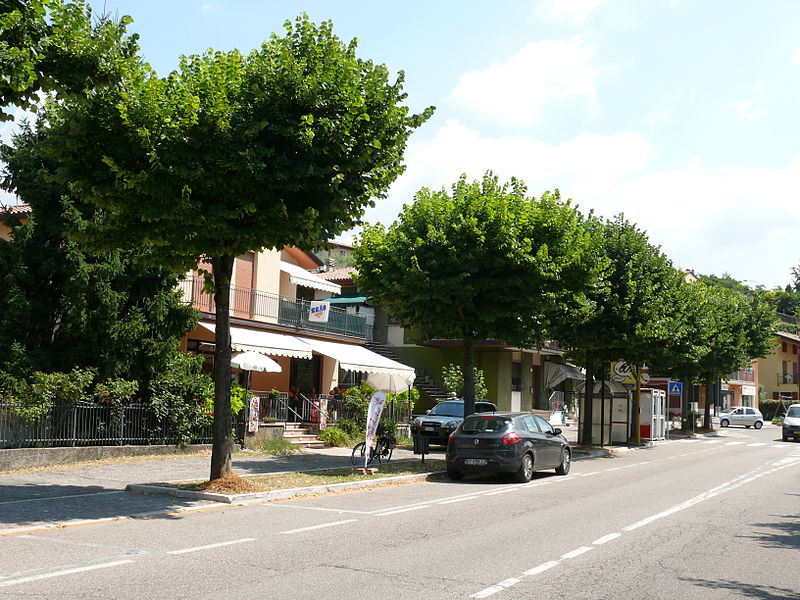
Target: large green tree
column 482, row 261
column 57, row 46
column 232, row 153
column 61, row 307
column 631, row 298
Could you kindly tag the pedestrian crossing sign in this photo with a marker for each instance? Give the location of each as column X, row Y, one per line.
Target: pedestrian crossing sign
column 675, row 388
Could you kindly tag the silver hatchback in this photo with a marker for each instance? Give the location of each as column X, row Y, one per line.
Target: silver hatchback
column 741, row 415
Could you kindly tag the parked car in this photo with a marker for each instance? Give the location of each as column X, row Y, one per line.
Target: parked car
column 741, row 415
column 791, row 423
column 506, row 442
column 443, row 418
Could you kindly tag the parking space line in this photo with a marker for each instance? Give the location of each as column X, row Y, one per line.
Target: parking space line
column 323, row 526
column 210, row 546
column 28, row 579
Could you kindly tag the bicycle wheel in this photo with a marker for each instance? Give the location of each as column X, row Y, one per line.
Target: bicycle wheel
column 357, row 457
column 385, row 452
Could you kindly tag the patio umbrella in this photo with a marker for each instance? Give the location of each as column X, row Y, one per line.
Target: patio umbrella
column 253, row 361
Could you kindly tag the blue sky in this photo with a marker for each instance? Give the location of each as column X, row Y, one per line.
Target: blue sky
column 680, row 113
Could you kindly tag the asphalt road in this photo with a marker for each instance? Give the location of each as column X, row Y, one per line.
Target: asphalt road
column 707, row 519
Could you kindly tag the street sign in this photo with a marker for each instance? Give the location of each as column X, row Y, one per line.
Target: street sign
column 676, row 388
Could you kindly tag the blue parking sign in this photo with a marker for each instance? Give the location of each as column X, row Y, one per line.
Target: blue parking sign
column 675, row 388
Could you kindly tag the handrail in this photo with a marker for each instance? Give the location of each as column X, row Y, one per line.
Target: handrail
column 310, row 404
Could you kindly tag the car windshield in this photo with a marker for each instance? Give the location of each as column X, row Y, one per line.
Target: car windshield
column 794, row 411
column 475, row 424
column 448, row 409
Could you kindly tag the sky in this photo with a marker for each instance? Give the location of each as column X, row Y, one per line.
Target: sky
column 681, row 114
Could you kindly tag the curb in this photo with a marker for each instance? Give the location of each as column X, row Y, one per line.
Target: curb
column 274, row 494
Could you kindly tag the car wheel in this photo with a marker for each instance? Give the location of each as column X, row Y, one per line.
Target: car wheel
column 525, row 471
column 758, row 424
column 566, row 462
column 454, row 475
column 724, row 423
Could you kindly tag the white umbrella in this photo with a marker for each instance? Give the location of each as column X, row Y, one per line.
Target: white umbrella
column 253, row 361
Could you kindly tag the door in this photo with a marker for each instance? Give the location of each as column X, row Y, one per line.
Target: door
column 550, row 442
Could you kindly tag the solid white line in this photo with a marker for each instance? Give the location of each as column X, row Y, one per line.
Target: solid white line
column 577, row 552
column 503, row 491
column 209, row 546
column 606, row 538
column 757, row 444
column 778, row 446
column 317, row 508
column 541, row 568
column 323, row 526
column 19, row 580
column 401, row 510
column 712, row 442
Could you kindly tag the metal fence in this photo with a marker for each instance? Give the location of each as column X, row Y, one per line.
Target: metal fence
column 308, row 409
column 248, row 303
column 92, row 425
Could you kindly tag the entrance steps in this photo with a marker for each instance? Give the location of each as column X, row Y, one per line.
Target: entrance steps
column 302, row 435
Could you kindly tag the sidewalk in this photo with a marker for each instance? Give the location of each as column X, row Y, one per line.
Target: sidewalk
column 67, row 496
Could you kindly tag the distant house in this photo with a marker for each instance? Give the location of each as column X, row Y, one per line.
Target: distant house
column 11, row 214
column 780, row 372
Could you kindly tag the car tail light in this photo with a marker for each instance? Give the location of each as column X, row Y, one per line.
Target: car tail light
column 451, row 439
column 512, row 437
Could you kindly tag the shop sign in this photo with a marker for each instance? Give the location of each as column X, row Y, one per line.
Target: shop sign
column 319, row 311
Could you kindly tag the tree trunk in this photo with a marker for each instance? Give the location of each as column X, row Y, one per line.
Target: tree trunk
column 469, row 374
column 707, row 411
column 222, row 269
column 588, row 401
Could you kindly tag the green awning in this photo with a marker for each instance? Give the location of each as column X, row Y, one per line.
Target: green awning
column 347, row 300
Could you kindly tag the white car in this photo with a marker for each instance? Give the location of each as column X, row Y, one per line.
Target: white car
column 791, row 423
column 741, row 415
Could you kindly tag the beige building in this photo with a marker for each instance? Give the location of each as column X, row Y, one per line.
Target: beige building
column 780, row 372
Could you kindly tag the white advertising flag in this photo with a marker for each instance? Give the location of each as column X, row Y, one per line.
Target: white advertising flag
column 373, row 418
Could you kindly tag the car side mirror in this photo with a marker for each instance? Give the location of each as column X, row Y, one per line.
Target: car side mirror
column 556, row 431
column 428, row 411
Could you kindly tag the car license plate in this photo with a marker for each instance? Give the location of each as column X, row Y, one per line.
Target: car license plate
column 478, row 462
column 428, row 429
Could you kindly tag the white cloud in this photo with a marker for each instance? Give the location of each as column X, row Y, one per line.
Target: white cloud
column 748, row 112
column 575, row 10
column 517, row 91
column 736, row 220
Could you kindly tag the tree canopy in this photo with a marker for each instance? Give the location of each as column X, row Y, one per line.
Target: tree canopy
column 58, row 46
column 234, row 153
column 482, row 261
column 61, row 307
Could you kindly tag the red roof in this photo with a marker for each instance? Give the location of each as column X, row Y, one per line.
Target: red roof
column 17, row 209
column 340, row 274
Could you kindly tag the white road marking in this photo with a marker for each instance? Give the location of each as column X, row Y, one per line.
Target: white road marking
column 733, row 443
column 503, row 491
column 62, row 497
column 541, row 568
column 757, row 444
column 318, row 508
column 401, row 510
column 577, row 552
column 606, row 538
column 457, row 500
column 210, row 546
column 712, row 442
column 323, row 526
column 19, row 580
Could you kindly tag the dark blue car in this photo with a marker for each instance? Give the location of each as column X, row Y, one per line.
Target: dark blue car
column 506, row 442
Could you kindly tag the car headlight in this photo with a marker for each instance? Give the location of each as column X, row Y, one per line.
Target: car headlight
column 451, row 425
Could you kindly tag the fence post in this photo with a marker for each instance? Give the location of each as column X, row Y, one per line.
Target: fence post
column 74, row 410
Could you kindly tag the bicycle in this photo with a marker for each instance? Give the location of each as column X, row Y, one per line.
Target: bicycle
column 381, row 450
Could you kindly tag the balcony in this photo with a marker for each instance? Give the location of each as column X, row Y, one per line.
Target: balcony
column 742, row 375
column 784, row 378
column 252, row 304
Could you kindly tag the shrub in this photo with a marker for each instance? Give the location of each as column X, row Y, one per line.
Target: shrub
column 351, row 427
column 116, row 391
column 453, row 379
column 279, row 447
column 357, row 400
column 335, row 436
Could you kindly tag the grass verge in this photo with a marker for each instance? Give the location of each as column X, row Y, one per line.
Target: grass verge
column 299, row 479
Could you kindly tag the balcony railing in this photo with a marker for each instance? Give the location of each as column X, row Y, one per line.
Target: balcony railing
column 252, row 304
column 742, row 375
column 787, row 378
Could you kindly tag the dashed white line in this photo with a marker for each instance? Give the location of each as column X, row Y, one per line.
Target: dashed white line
column 400, row 510
column 757, row 444
column 452, row 500
column 116, row 563
column 210, row 546
column 577, row 552
column 323, row 526
column 541, row 568
column 606, row 538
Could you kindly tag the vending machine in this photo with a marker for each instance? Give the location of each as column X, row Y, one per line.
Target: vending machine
column 652, row 414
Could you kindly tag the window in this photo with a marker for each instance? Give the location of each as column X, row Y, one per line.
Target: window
column 783, row 346
column 543, row 425
column 530, row 424
column 794, row 348
column 747, row 400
